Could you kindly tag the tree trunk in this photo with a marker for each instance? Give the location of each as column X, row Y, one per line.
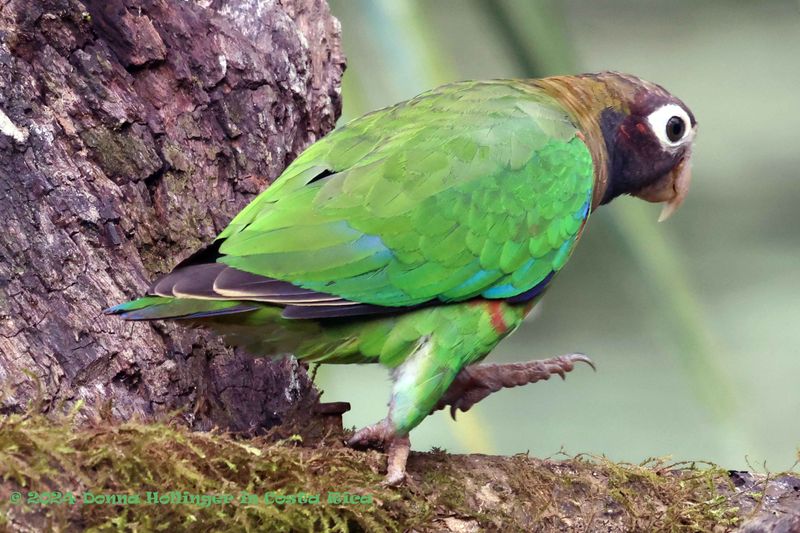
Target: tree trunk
column 132, row 131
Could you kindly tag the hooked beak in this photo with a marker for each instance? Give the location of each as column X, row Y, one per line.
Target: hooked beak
column 671, row 188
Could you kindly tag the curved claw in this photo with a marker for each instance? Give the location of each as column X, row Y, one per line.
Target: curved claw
column 565, row 363
column 583, row 358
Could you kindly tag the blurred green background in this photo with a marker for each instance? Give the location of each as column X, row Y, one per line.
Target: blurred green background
column 694, row 324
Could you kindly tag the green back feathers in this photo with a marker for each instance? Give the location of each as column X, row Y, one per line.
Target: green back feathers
column 471, row 189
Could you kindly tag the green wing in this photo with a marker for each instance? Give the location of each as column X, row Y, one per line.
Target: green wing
column 472, row 189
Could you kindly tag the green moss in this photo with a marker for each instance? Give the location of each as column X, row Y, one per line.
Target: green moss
column 43, row 454
column 132, row 458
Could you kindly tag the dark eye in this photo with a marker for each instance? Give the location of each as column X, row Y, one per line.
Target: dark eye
column 676, row 127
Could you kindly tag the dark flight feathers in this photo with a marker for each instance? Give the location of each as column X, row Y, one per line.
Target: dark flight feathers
column 194, row 278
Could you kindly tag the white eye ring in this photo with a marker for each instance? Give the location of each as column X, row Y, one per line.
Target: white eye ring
column 659, row 122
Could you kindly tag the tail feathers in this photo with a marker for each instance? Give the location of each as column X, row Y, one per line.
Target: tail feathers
column 159, row 307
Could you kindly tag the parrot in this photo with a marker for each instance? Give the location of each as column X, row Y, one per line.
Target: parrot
column 420, row 235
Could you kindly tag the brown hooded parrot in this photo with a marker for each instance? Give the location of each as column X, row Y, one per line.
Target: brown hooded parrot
column 420, row 235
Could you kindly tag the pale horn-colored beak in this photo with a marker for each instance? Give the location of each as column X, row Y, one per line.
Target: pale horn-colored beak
column 671, row 189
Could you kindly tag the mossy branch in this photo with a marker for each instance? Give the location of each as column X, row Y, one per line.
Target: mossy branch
column 123, row 463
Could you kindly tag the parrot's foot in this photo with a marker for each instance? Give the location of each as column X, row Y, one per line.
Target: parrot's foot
column 399, row 449
column 374, row 436
column 382, row 435
column 476, row 382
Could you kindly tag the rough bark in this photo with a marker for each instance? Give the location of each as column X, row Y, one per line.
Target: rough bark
column 132, row 131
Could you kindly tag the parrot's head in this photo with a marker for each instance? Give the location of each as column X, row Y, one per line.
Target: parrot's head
column 648, row 135
column 645, row 136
